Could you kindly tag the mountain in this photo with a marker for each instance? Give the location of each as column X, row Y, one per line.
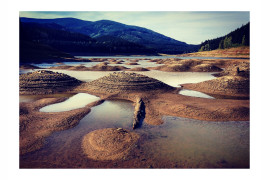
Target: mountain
column 236, row 38
column 143, row 37
column 50, row 42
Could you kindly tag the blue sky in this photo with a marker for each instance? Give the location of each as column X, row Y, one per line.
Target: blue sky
column 191, row 27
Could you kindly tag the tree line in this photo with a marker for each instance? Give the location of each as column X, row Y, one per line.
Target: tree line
column 236, row 38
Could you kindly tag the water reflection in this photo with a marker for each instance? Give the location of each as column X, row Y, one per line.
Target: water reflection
column 77, row 101
column 170, row 78
column 195, row 143
column 192, row 93
column 181, row 142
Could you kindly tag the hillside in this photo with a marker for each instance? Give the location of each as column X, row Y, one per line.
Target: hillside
column 143, row 37
column 236, row 38
column 50, row 41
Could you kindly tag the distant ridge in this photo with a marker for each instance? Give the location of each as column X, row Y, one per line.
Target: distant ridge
column 153, row 41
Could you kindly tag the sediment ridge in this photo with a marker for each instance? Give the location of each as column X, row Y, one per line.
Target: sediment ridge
column 46, row 82
column 122, row 81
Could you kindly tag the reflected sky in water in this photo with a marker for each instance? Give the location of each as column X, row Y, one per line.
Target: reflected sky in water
column 77, row 101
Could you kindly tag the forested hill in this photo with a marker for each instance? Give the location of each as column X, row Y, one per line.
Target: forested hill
column 236, row 38
column 113, row 35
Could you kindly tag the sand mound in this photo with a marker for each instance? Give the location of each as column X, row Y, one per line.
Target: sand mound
column 61, row 67
column 138, row 69
column 109, row 144
column 100, row 67
column 131, row 63
column 206, row 68
column 122, row 81
column 117, row 62
column 107, row 68
column 172, row 68
column 242, row 69
column 45, row 82
column 225, row 85
column 79, row 68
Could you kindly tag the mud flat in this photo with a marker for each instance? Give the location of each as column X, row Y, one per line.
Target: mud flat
column 46, row 82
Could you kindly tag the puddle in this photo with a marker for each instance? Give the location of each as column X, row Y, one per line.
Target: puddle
column 77, row 101
column 192, row 93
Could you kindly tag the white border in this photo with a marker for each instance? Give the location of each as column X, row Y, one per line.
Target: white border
column 10, row 16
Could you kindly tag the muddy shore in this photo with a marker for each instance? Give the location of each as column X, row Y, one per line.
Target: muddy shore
column 35, row 126
column 158, row 98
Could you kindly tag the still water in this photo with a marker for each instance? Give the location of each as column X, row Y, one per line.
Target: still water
column 180, row 141
column 187, row 92
column 171, row 78
column 77, row 101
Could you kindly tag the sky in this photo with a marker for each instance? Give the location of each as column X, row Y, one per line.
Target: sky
column 191, row 27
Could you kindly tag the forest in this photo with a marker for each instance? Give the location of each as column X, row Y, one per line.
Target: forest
column 236, row 38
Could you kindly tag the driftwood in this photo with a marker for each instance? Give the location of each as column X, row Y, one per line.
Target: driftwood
column 139, row 113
